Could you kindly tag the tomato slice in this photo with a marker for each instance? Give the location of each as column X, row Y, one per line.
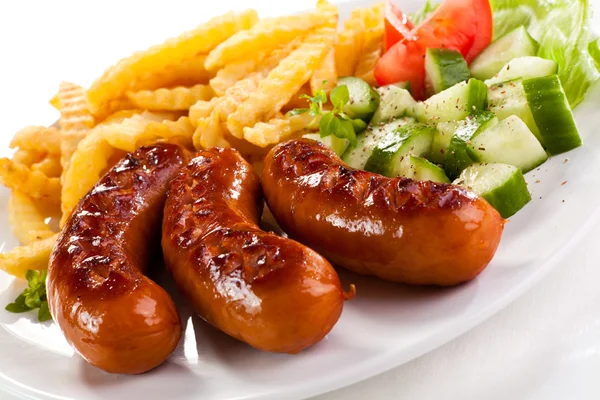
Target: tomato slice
column 462, row 25
column 397, row 25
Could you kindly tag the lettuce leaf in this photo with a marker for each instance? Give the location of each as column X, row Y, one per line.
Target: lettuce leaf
column 421, row 15
column 594, row 49
column 562, row 29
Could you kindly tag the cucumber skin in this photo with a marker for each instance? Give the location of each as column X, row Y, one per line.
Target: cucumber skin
column 427, row 171
column 451, row 69
column 477, row 94
column 547, row 95
column 457, row 157
column 505, row 208
column 356, row 109
column 482, row 69
column 381, row 159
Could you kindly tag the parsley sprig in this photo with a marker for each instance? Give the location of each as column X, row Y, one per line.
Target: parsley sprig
column 334, row 122
column 33, row 297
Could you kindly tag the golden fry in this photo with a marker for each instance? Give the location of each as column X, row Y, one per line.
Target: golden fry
column 21, row 178
column 282, row 82
column 266, row 133
column 37, row 139
column 188, row 72
column 28, row 157
column 49, row 166
column 210, row 133
column 326, row 73
column 179, row 98
column 26, row 220
column 23, row 258
column 124, row 76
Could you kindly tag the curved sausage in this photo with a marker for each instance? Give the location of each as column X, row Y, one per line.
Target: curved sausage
column 109, row 311
column 397, row 229
column 268, row 291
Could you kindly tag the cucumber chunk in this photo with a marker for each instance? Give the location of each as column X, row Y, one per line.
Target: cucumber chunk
column 339, row 145
column 364, row 100
column 441, row 141
column 514, row 44
column 419, row 169
column 457, row 157
column 443, row 69
column 388, row 156
column 502, row 185
column 542, row 104
column 453, row 104
column 509, row 142
column 552, row 114
column 357, row 156
column 393, row 104
column 524, row 68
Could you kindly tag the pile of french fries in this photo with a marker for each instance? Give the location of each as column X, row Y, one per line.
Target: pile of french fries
column 227, row 83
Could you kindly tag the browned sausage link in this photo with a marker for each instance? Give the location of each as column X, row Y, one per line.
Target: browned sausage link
column 268, row 291
column 397, row 229
column 111, row 313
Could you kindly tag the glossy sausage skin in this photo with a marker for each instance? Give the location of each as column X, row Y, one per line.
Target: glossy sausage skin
column 268, row 291
column 421, row 233
column 109, row 311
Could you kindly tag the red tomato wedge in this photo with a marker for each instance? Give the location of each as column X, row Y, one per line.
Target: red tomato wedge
column 461, row 25
column 397, row 25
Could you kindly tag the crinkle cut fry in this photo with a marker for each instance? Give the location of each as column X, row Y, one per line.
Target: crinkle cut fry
column 23, row 258
column 126, row 73
column 178, row 98
column 282, row 83
column 267, row 133
column 33, row 183
column 37, row 138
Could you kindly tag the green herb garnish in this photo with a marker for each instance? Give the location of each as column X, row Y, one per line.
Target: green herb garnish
column 34, row 296
column 334, row 122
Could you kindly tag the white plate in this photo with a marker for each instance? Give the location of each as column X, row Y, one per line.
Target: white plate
column 385, row 326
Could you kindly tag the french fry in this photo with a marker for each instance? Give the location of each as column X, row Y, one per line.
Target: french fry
column 75, row 121
column 265, row 36
column 49, row 166
column 297, row 101
column 95, row 152
column 120, row 116
column 23, row 258
column 124, row 76
column 282, row 82
column 325, row 76
column 202, row 109
column 179, row 98
column 188, row 72
column 37, row 139
column 266, row 133
column 210, row 131
column 347, row 49
column 21, row 178
column 28, row 157
column 26, row 220
column 372, row 48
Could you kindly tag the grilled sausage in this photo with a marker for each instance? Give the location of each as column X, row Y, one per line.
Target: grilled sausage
column 109, row 311
column 268, row 291
column 397, row 229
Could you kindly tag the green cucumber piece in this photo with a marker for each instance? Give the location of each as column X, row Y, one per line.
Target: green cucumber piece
column 339, row 145
column 514, row 44
column 552, row 114
column 453, row 104
column 393, row 104
column 457, row 157
column 359, row 125
column 364, row 100
column 357, row 156
column 524, row 68
column 542, row 104
column 419, row 169
column 441, row 141
column 509, row 142
column 388, row 156
column 502, row 185
column 443, row 69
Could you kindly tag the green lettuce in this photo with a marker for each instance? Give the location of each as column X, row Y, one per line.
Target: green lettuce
column 423, row 13
column 562, row 29
column 594, row 49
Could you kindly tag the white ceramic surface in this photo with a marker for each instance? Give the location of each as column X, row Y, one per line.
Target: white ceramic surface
column 385, row 326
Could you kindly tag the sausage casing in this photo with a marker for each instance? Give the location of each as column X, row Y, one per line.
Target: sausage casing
column 397, row 229
column 269, row 291
column 110, row 312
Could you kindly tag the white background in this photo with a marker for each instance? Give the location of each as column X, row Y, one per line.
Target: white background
column 544, row 346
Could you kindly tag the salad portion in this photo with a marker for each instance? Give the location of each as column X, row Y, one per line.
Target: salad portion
column 456, row 105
